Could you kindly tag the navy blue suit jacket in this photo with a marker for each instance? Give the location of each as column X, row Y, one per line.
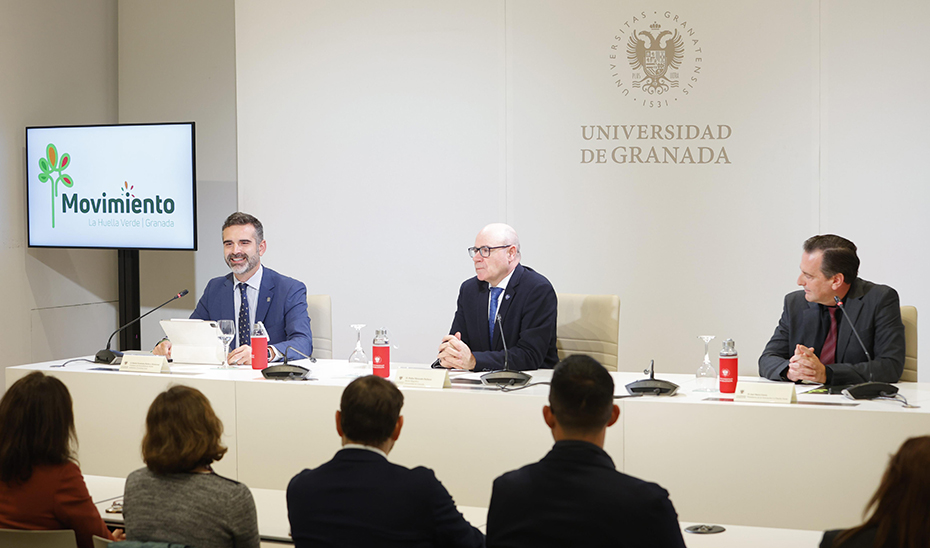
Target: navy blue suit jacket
column 528, row 312
column 876, row 313
column 361, row 499
column 575, row 497
column 282, row 309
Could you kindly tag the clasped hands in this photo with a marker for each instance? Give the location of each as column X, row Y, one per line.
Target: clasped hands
column 455, row 354
column 239, row 356
column 806, row 366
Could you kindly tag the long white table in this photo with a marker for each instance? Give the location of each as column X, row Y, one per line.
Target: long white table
column 273, row 527
column 811, row 465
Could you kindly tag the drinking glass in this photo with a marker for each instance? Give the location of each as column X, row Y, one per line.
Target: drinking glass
column 706, row 374
column 358, row 356
column 227, row 334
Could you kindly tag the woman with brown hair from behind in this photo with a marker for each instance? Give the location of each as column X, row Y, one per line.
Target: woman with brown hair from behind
column 900, row 505
column 178, row 497
column 41, row 486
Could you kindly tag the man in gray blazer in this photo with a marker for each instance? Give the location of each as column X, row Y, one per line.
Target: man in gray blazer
column 814, row 341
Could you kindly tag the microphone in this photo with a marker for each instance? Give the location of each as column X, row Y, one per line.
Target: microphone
column 866, row 390
column 652, row 385
column 506, row 377
column 288, row 372
column 109, row 356
column 289, row 348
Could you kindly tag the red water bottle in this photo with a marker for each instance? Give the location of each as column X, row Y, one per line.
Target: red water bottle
column 381, row 354
column 729, row 367
column 259, row 346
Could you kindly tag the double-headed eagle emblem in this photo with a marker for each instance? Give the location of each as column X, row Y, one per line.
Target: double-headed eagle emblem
column 655, row 58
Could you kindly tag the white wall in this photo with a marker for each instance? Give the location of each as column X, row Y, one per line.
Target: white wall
column 375, row 141
column 177, row 63
column 59, row 66
column 371, row 145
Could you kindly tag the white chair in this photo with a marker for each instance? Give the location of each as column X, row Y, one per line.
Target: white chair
column 909, row 317
column 100, row 542
column 589, row 324
column 320, row 310
column 14, row 538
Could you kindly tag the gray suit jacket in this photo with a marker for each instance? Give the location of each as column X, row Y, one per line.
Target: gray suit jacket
column 876, row 312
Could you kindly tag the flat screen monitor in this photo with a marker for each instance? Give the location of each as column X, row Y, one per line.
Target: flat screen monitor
column 127, row 186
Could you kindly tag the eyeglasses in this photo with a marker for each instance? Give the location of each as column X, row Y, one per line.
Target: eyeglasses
column 484, row 250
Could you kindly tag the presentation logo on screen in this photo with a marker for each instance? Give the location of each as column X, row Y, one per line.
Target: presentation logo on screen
column 53, row 172
column 655, row 59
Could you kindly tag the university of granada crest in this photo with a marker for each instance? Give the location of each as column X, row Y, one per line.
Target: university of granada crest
column 664, row 50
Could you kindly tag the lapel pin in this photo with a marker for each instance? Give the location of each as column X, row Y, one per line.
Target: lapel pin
column 269, row 299
column 506, row 297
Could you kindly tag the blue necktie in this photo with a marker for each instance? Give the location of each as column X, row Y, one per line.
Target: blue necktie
column 245, row 327
column 495, row 294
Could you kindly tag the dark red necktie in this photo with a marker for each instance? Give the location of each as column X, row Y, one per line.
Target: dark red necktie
column 828, row 354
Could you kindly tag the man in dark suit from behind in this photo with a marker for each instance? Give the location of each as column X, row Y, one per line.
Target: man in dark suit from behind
column 359, row 498
column 575, row 496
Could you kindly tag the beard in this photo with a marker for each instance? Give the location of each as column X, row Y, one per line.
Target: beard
column 250, row 263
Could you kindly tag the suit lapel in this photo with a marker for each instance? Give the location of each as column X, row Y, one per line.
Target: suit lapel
column 853, row 305
column 810, row 321
column 265, row 295
column 228, row 300
column 483, row 295
column 511, row 292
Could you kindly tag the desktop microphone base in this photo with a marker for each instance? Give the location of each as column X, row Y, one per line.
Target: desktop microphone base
column 107, row 356
column 647, row 387
column 870, row 390
column 505, row 378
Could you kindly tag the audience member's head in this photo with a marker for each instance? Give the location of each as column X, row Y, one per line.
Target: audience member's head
column 369, row 413
column 581, row 399
column 36, row 427
column 182, row 433
column 902, row 502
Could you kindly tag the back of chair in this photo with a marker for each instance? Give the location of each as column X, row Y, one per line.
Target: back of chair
column 589, row 324
column 13, row 538
column 100, row 542
column 320, row 310
column 909, row 317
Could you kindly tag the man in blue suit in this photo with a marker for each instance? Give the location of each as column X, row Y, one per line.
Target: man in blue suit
column 575, row 496
column 522, row 298
column 252, row 293
column 360, row 499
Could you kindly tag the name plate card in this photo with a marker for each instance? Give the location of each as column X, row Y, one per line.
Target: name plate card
column 423, row 378
column 144, row 363
column 766, row 392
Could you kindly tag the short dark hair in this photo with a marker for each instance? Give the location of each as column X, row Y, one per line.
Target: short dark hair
column 239, row 218
column 36, row 427
column 581, row 394
column 839, row 255
column 370, row 408
column 901, row 501
column 181, row 432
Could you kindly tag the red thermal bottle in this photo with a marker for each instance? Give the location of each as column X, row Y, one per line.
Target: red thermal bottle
column 259, row 346
column 381, row 354
column 729, row 367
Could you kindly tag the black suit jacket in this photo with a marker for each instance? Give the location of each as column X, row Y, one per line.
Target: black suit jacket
column 575, row 497
column 528, row 313
column 876, row 313
column 360, row 499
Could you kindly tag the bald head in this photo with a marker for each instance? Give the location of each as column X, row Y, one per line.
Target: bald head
column 504, row 253
column 501, row 234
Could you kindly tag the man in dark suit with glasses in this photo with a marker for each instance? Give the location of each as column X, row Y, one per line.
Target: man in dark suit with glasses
column 522, row 298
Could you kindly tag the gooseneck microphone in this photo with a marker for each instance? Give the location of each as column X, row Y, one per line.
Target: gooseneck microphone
column 108, row 356
column 287, row 372
column 506, row 377
column 866, row 390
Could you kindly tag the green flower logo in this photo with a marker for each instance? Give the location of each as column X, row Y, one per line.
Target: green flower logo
column 53, row 167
